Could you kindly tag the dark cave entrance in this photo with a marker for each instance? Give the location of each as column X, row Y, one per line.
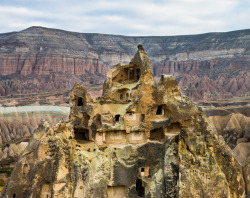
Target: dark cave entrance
column 117, row 118
column 139, row 188
column 157, row 134
column 81, row 134
column 79, row 102
column 159, row 110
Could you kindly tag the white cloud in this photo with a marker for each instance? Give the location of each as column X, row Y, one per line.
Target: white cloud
column 148, row 17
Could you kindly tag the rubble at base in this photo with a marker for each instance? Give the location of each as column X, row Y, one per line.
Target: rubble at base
column 140, row 139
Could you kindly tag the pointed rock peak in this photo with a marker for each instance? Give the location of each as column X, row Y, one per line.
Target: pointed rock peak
column 140, row 47
column 142, row 60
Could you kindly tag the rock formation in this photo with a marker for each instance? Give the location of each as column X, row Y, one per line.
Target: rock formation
column 208, row 66
column 16, row 122
column 234, row 127
column 139, row 139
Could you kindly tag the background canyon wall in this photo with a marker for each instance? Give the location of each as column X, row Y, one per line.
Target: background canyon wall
column 208, row 66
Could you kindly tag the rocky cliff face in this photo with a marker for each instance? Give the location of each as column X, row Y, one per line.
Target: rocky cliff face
column 16, row 122
column 140, row 139
column 208, row 66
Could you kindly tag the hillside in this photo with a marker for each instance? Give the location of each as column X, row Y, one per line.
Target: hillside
column 208, row 66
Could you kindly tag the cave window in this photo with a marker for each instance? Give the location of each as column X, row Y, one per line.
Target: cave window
column 138, row 74
column 25, row 168
column 127, row 96
column 139, row 188
column 142, row 117
column 159, row 110
column 131, row 74
column 117, row 118
column 98, row 120
column 79, row 102
column 81, row 134
column 142, row 170
column 121, row 96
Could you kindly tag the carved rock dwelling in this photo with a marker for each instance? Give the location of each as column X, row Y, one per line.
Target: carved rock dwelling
column 140, row 139
column 132, row 110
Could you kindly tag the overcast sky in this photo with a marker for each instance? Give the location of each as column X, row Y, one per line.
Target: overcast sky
column 127, row 17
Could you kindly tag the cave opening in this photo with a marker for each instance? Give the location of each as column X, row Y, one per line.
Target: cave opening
column 121, row 96
column 25, row 168
column 139, row 188
column 157, row 134
column 159, row 110
column 131, row 74
column 138, row 73
column 142, row 117
column 81, row 134
column 14, row 195
column 127, row 96
column 117, row 118
column 80, row 101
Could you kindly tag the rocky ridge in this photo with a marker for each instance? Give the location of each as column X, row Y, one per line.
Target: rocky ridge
column 208, row 66
column 177, row 154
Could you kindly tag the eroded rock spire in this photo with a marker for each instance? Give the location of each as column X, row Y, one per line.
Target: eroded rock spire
column 140, row 139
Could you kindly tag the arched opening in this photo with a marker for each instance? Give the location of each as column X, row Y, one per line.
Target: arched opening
column 25, row 168
column 159, row 110
column 139, row 188
column 14, row 195
column 117, row 118
column 79, row 101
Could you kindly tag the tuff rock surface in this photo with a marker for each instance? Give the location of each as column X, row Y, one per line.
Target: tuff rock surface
column 140, row 139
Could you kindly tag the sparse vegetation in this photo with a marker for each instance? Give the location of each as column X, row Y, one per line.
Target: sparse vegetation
column 7, row 172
